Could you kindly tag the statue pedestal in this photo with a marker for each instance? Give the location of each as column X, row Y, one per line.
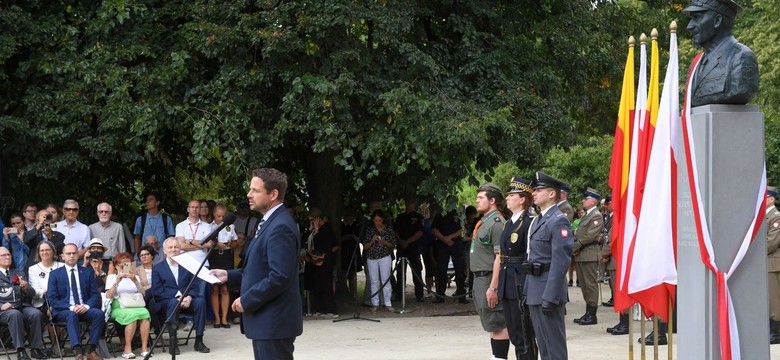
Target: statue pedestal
column 730, row 149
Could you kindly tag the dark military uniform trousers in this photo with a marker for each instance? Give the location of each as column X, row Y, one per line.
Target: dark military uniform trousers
column 26, row 318
column 774, row 295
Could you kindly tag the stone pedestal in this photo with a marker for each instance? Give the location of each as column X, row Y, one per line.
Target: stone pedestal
column 730, row 149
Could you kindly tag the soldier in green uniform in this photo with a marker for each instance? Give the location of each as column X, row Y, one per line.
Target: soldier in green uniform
column 772, row 219
column 485, row 265
column 585, row 251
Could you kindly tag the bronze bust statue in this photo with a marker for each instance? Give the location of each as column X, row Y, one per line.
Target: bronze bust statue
column 728, row 71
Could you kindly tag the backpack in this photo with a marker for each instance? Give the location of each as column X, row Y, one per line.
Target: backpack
column 164, row 221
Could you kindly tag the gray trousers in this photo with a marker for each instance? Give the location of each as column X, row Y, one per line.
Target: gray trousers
column 550, row 332
column 18, row 320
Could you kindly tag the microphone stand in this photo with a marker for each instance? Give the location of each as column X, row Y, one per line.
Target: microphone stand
column 168, row 323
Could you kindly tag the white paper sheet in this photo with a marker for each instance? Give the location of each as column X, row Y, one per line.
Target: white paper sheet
column 189, row 263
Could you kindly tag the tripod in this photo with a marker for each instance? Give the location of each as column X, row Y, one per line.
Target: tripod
column 357, row 302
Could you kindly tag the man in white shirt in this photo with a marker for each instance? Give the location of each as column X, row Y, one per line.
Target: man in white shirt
column 75, row 231
column 112, row 234
column 191, row 233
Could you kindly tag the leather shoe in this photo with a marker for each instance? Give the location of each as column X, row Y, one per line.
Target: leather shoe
column 201, row 347
column 94, row 356
column 463, row 300
column 609, row 303
column 22, row 355
column 38, row 354
column 438, row 300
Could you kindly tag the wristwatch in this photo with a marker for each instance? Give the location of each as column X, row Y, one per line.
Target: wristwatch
column 190, row 241
column 493, row 289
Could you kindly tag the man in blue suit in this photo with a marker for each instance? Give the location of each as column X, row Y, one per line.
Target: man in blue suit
column 73, row 297
column 269, row 298
column 169, row 280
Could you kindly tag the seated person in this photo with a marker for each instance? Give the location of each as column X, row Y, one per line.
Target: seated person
column 96, row 251
column 16, row 310
column 125, row 281
column 38, row 275
column 73, row 297
column 169, row 280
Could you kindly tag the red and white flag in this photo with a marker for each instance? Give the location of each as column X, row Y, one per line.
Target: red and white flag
column 652, row 262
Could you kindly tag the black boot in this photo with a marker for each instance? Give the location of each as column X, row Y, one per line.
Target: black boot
column 622, row 327
column 590, row 316
column 662, row 327
column 577, row 320
column 774, row 332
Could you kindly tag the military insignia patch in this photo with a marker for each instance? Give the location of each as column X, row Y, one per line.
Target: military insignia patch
column 513, row 238
column 227, row 228
column 564, row 233
column 497, row 219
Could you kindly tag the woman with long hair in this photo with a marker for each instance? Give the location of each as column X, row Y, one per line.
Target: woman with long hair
column 378, row 241
column 221, row 258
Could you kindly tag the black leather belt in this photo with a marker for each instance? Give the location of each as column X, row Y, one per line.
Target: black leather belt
column 535, row 268
column 482, row 273
column 512, row 259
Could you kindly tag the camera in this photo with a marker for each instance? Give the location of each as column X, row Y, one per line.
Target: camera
column 96, row 255
column 49, row 217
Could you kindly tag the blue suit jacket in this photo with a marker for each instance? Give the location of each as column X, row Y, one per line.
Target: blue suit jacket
column 164, row 284
column 551, row 241
column 269, row 280
column 58, row 291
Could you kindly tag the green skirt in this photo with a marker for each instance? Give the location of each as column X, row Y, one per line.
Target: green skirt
column 128, row 315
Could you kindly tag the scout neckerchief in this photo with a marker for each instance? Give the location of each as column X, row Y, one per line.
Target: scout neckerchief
column 486, row 240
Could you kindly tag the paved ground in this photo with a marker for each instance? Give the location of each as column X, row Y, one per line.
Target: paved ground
column 428, row 332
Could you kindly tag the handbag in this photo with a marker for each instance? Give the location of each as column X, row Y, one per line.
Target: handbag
column 131, row 300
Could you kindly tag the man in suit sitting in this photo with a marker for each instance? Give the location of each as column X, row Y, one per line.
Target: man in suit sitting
column 74, row 297
column 270, row 300
column 169, row 280
column 16, row 311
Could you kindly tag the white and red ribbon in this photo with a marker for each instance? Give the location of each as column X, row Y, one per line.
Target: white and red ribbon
column 727, row 322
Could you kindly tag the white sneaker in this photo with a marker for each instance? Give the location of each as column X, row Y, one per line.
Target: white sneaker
column 188, row 326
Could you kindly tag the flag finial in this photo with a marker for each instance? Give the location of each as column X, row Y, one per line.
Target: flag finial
column 654, row 34
column 631, row 41
column 673, row 26
column 643, row 38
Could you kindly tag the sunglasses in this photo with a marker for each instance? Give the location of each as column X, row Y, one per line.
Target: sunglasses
column 70, row 209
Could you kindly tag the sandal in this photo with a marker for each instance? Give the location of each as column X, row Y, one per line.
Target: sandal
column 128, row 356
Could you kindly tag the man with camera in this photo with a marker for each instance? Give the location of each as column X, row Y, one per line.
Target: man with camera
column 16, row 310
column 112, row 234
column 45, row 229
column 12, row 240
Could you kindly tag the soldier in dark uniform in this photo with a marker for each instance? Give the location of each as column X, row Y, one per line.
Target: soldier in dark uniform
column 449, row 233
column 549, row 254
column 409, row 229
column 566, row 208
column 586, row 241
column 512, row 276
column 728, row 71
